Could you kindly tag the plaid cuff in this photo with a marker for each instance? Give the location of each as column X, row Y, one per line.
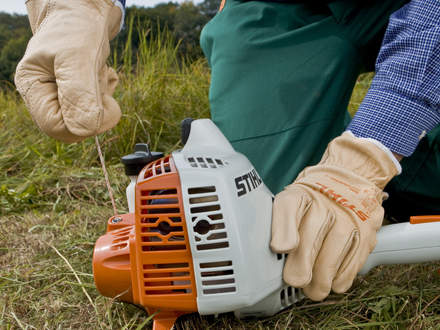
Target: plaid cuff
column 395, row 121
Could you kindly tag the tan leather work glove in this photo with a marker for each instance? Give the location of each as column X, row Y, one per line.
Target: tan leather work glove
column 63, row 77
column 328, row 218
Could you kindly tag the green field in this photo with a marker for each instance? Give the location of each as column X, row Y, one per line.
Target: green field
column 54, row 205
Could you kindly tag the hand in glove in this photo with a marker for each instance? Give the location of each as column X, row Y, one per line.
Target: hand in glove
column 63, row 76
column 328, row 218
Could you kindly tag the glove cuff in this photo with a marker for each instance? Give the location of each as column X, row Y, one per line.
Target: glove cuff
column 384, row 148
column 38, row 10
column 363, row 157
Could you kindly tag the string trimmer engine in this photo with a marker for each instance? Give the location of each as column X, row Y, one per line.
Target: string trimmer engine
column 196, row 238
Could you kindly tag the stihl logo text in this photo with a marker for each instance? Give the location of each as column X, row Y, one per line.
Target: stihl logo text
column 342, row 201
column 247, row 182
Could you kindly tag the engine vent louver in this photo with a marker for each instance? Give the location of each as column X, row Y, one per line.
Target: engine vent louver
column 207, row 219
column 120, row 238
column 167, row 278
column 289, row 296
column 217, row 277
column 159, row 167
column 161, row 221
column 206, row 162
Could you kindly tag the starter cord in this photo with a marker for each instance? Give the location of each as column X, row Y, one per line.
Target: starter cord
column 107, row 181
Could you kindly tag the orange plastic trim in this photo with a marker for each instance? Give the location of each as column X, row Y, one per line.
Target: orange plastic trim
column 164, row 267
column 424, row 219
column 111, row 258
column 165, row 320
column 145, row 258
column 119, row 221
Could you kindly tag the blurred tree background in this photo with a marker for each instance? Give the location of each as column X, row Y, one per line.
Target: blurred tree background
column 185, row 22
column 14, row 35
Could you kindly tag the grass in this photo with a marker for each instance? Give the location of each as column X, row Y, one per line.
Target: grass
column 54, row 205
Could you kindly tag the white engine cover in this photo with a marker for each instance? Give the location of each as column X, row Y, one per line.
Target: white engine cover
column 228, row 212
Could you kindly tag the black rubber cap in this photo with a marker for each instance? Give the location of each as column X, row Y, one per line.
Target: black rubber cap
column 185, row 127
column 142, row 156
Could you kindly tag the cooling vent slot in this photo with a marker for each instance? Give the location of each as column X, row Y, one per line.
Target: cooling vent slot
column 167, row 279
column 159, row 167
column 217, row 277
column 120, row 240
column 207, row 219
column 161, row 227
column 289, row 296
column 206, row 162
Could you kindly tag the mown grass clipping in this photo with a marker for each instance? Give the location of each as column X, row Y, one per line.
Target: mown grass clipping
column 54, row 205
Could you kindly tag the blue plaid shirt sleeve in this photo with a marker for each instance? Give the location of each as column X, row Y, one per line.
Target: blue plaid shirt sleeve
column 403, row 100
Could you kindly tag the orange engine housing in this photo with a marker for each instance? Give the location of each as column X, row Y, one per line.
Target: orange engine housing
column 145, row 258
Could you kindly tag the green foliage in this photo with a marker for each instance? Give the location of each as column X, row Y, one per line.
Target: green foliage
column 12, row 26
column 184, row 21
column 362, row 84
column 209, row 7
column 188, row 24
